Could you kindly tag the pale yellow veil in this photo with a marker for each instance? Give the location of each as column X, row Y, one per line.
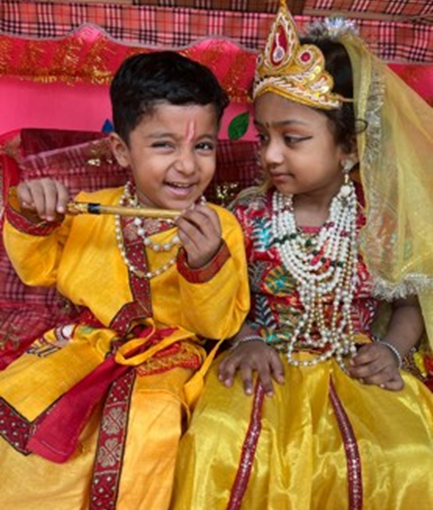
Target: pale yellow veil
column 396, row 170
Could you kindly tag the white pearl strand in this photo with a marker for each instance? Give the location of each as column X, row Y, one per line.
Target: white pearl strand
column 127, row 199
column 334, row 247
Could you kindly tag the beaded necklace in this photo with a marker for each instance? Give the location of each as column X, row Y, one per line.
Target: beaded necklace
column 321, row 266
column 129, row 199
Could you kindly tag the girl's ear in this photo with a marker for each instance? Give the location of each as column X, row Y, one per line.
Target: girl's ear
column 120, row 150
column 350, row 154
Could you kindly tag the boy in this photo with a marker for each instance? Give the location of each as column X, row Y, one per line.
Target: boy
column 104, row 398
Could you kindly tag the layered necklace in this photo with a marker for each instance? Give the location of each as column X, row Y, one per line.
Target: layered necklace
column 323, row 266
column 129, row 199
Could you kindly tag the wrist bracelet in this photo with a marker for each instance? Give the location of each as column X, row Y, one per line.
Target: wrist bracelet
column 248, row 338
column 252, row 338
column 395, row 352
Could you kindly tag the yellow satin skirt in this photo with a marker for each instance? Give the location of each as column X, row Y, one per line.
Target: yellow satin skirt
column 324, row 441
column 153, row 430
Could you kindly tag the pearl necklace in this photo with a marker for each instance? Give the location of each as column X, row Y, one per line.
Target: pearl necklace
column 129, row 199
column 323, row 266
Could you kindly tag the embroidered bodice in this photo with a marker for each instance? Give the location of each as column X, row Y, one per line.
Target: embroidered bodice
column 275, row 302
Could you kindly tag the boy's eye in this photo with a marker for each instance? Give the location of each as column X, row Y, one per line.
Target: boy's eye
column 162, row 145
column 205, row 146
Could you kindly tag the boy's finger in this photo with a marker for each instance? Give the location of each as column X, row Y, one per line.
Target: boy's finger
column 49, row 190
column 25, row 196
column 204, row 220
column 210, row 218
column 62, row 198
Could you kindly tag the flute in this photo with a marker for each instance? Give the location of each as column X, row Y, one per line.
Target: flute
column 147, row 212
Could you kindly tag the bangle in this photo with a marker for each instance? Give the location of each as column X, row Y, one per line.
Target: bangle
column 249, row 338
column 395, row 351
column 252, row 338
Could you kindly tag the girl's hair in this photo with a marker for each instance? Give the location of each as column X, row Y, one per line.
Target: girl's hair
column 337, row 63
column 143, row 81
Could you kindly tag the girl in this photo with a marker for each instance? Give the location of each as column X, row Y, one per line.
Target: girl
column 91, row 414
column 344, row 427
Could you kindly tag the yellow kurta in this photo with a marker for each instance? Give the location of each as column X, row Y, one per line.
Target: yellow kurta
column 83, row 260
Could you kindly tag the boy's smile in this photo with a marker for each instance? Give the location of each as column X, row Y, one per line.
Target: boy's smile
column 172, row 154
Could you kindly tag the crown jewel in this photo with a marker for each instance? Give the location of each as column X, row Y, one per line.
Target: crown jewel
column 292, row 70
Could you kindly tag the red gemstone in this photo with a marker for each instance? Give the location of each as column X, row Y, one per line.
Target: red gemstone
column 305, row 56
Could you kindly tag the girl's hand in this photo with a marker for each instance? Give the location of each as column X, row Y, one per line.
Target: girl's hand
column 199, row 230
column 248, row 356
column 376, row 364
column 45, row 196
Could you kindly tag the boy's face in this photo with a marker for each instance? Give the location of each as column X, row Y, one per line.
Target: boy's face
column 172, row 154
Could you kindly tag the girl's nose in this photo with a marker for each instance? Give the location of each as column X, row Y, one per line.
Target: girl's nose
column 272, row 153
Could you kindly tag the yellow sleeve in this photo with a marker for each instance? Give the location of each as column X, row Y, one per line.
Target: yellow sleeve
column 216, row 299
column 33, row 247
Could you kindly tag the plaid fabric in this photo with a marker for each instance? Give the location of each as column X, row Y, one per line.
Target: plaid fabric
column 401, row 8
column 168, row 27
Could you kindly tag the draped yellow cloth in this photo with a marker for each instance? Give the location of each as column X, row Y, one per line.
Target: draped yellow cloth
column 300, row 462
column 395, row 153
column 81, row 257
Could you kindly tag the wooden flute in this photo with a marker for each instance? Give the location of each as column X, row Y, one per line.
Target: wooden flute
column 147, row 212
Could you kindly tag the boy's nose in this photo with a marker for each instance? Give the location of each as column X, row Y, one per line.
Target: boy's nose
column 186, row 162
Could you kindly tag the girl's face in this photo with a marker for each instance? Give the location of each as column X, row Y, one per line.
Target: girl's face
column 172, row 154
column 297, row 147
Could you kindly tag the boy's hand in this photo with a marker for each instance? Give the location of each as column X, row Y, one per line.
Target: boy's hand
column 250, row 356
column 199, row 230
column 45, row 196
column 376, row 364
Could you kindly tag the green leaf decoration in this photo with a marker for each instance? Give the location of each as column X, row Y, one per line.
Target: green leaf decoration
column 238, row 126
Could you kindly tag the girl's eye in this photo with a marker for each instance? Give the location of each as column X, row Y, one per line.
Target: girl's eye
column 261, row 138
column 292, row 140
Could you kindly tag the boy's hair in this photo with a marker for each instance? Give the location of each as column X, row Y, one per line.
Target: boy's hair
column 338, row 65
column 146, row 80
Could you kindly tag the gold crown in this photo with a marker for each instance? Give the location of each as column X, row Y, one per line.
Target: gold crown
column 292, row 70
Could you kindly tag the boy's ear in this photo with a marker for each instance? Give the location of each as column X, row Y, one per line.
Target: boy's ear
column 120, row 150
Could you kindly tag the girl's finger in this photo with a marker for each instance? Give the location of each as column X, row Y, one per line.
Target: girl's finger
column 247, row 378
column 264, row 372
column 277, row 367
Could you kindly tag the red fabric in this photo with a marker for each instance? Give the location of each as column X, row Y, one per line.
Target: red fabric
column 55, row 437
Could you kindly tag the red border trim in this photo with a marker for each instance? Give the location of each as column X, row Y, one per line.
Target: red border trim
column 206, row 273
column 248, row 451
column 141, row 307
column 23, row 224
column 113, row 430
column 353, row 457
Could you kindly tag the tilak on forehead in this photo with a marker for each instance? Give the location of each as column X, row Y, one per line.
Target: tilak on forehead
column 294, row 71
column 190, row 130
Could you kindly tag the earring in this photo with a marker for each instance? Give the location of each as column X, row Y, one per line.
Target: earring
column 347, row 165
